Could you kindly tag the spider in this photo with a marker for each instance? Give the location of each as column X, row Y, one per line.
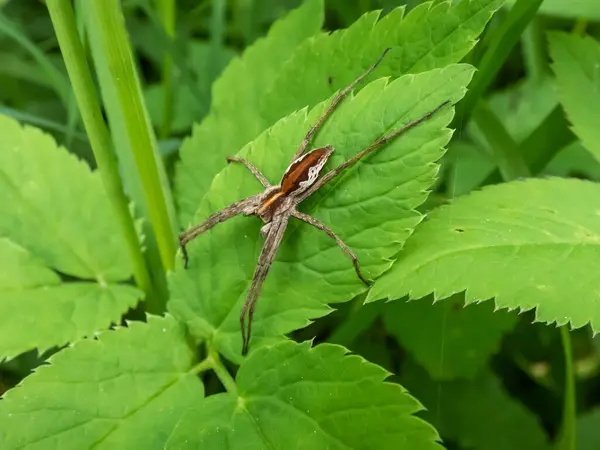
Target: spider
column 278, row 202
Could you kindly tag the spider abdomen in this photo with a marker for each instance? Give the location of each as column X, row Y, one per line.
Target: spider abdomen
column 304, row 171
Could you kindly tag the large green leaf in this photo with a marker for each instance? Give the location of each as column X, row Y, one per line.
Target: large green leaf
column 127, row 389
column 371, row 207
column 576, row 62
column 448, row 340
column 56, row 208
column 530, row 244
column 42, row 313
column 476, row 413
column 19, row 270
column 233, row 119
column 431, row 36
column 291, row 396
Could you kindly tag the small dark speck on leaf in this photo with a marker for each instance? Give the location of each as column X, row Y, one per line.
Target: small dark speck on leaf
column 459, row 230
column 330, row 79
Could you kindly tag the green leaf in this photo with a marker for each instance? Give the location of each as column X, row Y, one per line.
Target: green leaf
column 233, row 120
column 371, row 207
column 127, row 389
column 530, row 244
column 20, row 270
column 431, row 36
column 44, row 123
column 573, row 9
column 448, row 340
column 574, row 161
column 45, row 314
column 588, row 430
column 291, row 396
column 476, row 413
column 51, row 316
column 55, row 207
column 523, row 106
column 576, row 62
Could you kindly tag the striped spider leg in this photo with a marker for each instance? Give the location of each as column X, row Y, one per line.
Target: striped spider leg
column 277, row 203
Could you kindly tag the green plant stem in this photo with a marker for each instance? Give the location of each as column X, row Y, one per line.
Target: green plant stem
column 72, row 111
column 217, row 35
column 505, row 151
column 116, row 54
column 567, row 439
column 242, row 19
column 203, row 366
column 579, row 27
column 224, row 376
column 502, row 43
column 534, row 54
column 63, row 20
column 166, row 11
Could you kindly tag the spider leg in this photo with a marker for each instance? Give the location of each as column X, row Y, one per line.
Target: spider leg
column 226, row 213
column 379, row 142
column 336, row 100
column 267, row 255
column 321, row 226
column 252, row 168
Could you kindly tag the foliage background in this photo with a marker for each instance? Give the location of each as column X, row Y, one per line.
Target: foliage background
column 491, row 375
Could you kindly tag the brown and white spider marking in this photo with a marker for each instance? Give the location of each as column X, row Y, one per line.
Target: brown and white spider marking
column 278, row 202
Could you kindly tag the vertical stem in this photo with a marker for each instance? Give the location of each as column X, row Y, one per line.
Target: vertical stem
column 106, row 19
column 567, row 437
column 166, row 12
column 505, row 150
column 63, row 20
column 224, row 376
column 502, row 41
column 217, row 35
column 533, row 44
column 242, row 19
column 579, row 27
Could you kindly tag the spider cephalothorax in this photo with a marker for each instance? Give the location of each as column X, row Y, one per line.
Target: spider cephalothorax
column 277, row 203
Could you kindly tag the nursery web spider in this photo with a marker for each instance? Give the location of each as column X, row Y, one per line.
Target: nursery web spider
column 278, row 202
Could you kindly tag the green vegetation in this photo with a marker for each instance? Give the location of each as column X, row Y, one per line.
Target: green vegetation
column 480, row 227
